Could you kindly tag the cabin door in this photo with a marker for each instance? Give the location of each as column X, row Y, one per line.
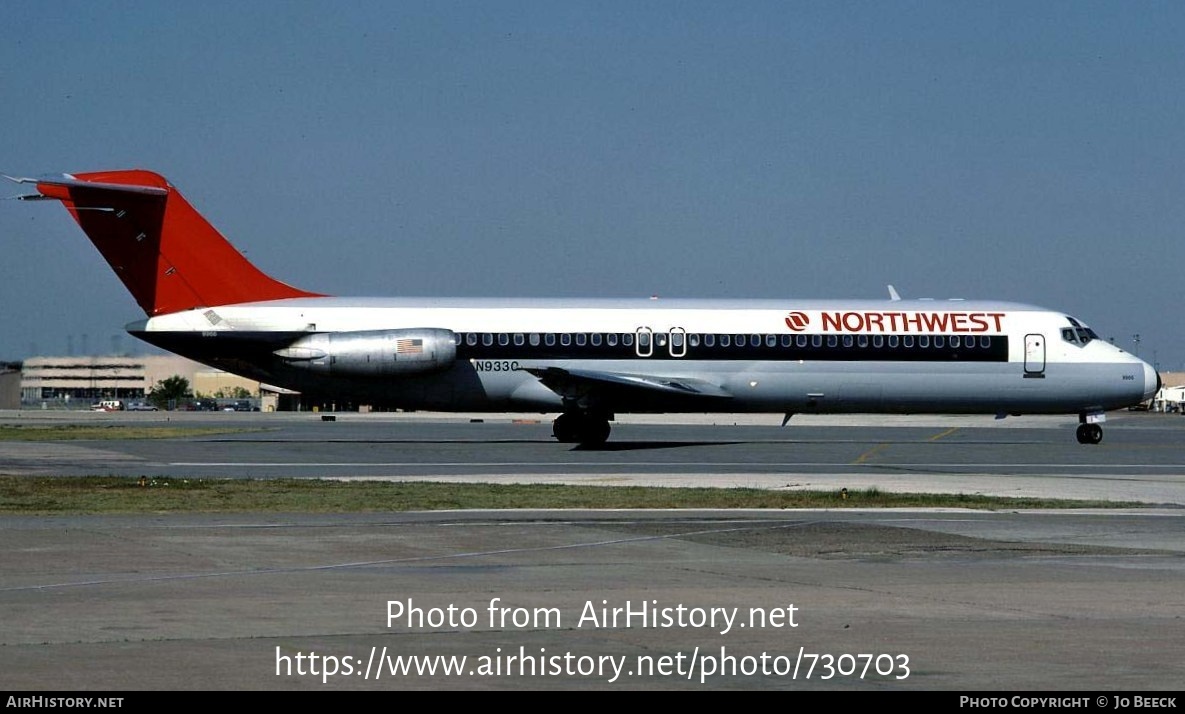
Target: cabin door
column 1034, row 355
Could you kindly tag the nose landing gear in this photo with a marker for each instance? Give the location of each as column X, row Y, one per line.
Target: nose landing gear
column 1089, row 433
column 1090, row 426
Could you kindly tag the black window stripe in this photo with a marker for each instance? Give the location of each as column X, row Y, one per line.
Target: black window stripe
column 729, row 347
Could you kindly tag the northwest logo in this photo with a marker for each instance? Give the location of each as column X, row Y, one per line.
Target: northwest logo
column 797, row 321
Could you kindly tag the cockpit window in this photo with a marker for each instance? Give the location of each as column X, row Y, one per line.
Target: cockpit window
column 1079, row 334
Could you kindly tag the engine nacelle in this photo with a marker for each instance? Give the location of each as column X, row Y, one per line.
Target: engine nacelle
column 374, row 353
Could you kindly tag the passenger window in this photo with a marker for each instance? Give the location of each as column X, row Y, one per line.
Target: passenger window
column 894, row 341
column 533, row 339
column 816, row 340
column 503, row 339
column 595, row 338
column 787, row 340
column 907, row 341
column 471, row 339
column 549, row 339
column 954, row 341
column 565, row 339
column 487, row 339
column 801, row 341
column 581, row 339
column 772, row 340
column 725, row 340
column 519, row 339
column 878, row 341
column 627, row 340
column 924, row 341
column 709, row 340
column 985, row 342
column 693, row 340
column 939, row 341
column 611, row 339
column 832, row 341
column 847, row 340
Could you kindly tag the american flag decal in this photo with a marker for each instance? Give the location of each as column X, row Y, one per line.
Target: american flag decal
column 409, row 347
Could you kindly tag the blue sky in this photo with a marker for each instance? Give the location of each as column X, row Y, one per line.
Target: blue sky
column 1003, row 150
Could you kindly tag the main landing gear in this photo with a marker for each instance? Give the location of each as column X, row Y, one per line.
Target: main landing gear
column 584, row 428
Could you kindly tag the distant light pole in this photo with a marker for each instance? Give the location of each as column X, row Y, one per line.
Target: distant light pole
column 1136, row 339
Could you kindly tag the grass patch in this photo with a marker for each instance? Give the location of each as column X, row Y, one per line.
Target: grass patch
column 113, row 494
column 101, row 432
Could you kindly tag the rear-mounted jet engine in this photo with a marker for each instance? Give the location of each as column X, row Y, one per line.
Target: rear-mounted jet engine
column 373, row 353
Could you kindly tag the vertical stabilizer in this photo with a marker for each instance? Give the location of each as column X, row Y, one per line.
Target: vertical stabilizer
column 167, row 255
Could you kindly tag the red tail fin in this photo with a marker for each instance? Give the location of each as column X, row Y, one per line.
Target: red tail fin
column 165, row 253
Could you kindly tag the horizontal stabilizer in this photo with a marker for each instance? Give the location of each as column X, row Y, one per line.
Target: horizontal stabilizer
column 29, row 197
column 68, row 181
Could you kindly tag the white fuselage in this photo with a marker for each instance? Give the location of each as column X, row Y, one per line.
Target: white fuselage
column 742, row 356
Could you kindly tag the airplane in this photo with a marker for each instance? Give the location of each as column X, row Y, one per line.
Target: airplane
column 587, row 359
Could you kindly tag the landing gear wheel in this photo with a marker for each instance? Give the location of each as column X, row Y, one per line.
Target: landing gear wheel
column 1089, row 433
column 565, row 428
column 580, row 428
column 596, row 431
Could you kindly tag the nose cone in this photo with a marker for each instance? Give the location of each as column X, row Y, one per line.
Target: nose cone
column 1151, row 382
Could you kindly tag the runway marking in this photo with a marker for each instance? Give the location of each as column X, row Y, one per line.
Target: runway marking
column 948, row 432
column 868, row 454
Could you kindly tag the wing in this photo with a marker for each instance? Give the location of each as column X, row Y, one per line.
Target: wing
column 612, row 391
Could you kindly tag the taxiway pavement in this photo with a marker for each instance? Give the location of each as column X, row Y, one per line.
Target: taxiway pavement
column 1080, row 600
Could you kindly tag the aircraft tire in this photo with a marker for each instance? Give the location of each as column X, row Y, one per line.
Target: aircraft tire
column 1089, row 433
column 566, row 428
column 580, row 428
column 595, row 431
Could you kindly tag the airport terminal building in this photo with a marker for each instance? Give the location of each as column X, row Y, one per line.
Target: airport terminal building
column 78, row 382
